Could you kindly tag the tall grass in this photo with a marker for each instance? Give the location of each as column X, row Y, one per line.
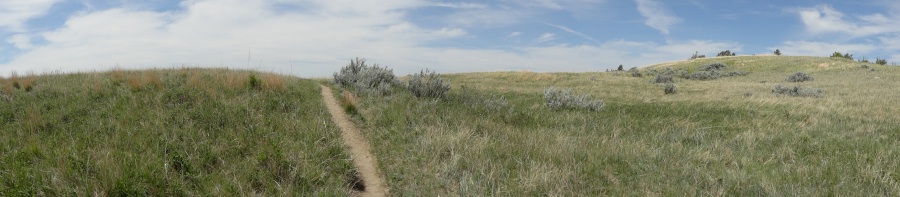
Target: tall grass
column 182, row 132
column 706, row 140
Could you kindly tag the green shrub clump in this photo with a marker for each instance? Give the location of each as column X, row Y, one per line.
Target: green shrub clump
column 364, row 78
column 799, row 77
column 635, row 72
column 713, row 66
column 880, row 61
column 670, row 88
column 565, row 99
column 663, row 79
column 798, row 91
column 427, row 84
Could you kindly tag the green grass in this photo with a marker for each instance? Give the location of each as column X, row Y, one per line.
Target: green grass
column 725, row 137
column 180, row 132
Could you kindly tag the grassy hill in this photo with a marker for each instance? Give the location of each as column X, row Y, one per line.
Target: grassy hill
column 168, row 133
column 494, row 135
column 223, row 132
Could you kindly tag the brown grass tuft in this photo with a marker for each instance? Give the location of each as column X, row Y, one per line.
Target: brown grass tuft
column 135, row 83
column 117, row 76
column 272, row 82
column 152, row 79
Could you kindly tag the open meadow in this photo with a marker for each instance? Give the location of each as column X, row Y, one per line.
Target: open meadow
column 493, row 134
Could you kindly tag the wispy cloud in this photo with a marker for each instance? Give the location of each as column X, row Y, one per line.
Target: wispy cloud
column 513, row 34
column 545, row 37
column 577, row 33
column 811, row 48
column 658, row 17
column 824, row 19
column 14, row 13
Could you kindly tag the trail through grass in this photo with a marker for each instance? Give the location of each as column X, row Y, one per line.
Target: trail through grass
column 181, row 132
column 730, row 136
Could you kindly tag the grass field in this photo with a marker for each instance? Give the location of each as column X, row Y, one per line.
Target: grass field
column 217, row 132
column 178, row 132
column 725, row 137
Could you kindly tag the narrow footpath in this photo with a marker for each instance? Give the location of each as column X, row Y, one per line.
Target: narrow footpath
column 360, row 150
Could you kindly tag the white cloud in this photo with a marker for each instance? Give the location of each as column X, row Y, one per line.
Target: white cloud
column 21, row 41
column 514, row 34
column 545, row 37
column 577, row 33
column 809, row 48
column 825, row 19
column 317, row 42
column 658, row 17
column 461, row 5
column 14, row 13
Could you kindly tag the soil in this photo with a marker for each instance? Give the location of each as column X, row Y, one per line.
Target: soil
column 371, row 183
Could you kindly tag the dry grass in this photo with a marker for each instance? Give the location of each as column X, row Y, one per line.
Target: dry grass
column 710, row 139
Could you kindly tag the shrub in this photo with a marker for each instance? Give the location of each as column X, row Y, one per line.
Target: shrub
column 799, row 77
column 253, row 82
column 839, row 55
column 725, row 53
column 635, row 72
column 880, row 61
column 702, row 75
column 427, row 84
column 620, row 68
column 864, row 66
column 777, row 52
column 663, row 79
column 363, row 78
column 697, row 56
column 713, row 66
column 798, row 91
column 564, row 99
column 670, row 88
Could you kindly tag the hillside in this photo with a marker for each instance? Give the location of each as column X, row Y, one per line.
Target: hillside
column 179, row 132
column 493, row 134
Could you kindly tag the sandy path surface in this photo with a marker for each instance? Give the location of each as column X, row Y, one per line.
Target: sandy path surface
column 360, row 150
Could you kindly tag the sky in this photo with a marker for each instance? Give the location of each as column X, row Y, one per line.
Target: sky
column 314, row 38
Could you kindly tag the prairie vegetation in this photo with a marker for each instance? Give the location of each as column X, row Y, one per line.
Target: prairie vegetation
column 731, row 136
column 180, row 132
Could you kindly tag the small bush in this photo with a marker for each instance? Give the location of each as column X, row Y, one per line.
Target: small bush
column 799, row 77
column 864, row 66
column 725, row 53
column 253, row 82
column 880, row 61
column 635, row 72
column 663, row 79
column 713, row 66
column 670, row 88
column 797, row 91
column 697, row 56
column 427, row 84
column 777, row 52
column 564, row 99
column 363, row 78
column 838, row 54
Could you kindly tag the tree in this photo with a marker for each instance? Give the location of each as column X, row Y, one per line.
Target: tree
column 725, row 53
column 620, row 68
column 777, row 52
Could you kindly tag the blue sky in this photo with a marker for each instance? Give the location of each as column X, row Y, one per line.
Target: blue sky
column 314, row 38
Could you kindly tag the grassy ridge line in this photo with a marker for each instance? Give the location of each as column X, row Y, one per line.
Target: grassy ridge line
column 730, row 136
column 168, row 133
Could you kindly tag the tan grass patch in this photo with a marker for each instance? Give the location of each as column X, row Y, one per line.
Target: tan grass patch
column 117, row 75
column 152, row 79
column 533, row 76
column 236, row 81
column 272, row 82
column 135, row 83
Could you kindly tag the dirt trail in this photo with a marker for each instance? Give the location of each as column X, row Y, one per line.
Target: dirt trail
column 360, row 150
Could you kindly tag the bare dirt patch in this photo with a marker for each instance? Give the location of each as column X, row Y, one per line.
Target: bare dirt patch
column 371, row 182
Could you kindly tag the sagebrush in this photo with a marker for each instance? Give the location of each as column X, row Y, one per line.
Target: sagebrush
column 363, row 78
column 427, row 83
column 558, row 99
column 799, row 77
column 798, row 91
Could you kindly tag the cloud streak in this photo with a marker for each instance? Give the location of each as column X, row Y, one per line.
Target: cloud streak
column 657, row 16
